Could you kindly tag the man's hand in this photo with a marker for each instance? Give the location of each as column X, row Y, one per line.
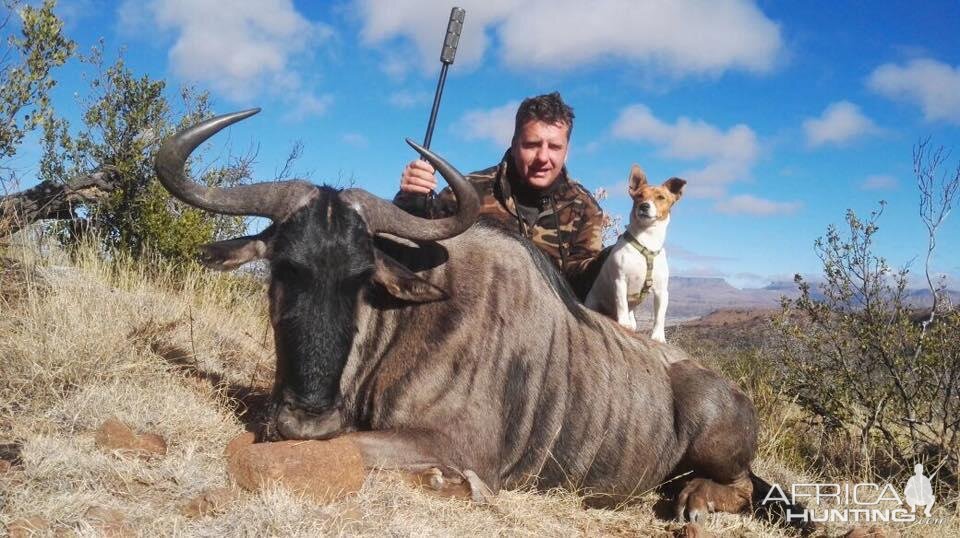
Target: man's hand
column 418, row 177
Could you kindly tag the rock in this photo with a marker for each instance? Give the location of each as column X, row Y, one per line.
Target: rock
column 153, row 444
column 11, row 452
column 873, row 531
column 109, row 522
column 692, row 530
column 5, row 466
column 27, row 526
column 324, row 471
column 208, row 502
column 115, row 435
column 239, row 443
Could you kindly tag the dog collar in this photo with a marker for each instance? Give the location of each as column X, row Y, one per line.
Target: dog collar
column 648, row 255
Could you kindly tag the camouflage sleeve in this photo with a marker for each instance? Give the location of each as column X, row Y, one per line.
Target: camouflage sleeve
column 586, row 243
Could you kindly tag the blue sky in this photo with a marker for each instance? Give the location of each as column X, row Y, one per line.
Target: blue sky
column 781, row 115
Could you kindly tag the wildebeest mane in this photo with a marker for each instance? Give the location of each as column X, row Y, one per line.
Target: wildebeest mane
column 547, row 269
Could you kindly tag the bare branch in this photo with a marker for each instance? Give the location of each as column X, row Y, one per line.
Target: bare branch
column 938, row 190
column 295, row 153
column 50, row 200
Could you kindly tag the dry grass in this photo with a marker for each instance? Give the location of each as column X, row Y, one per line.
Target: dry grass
column 182, row 354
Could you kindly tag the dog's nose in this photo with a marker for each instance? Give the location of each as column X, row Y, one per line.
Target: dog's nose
column 645, row 206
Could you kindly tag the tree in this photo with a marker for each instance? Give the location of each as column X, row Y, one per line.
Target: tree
column 27, row 65
column 125, row 118
column 864, row 361
column 25, row 83
column 101, row 176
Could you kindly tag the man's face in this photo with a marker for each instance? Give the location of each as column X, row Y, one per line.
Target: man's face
column 540, row 151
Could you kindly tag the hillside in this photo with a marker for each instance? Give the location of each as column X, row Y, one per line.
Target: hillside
column 186, row 358
column 694, row 297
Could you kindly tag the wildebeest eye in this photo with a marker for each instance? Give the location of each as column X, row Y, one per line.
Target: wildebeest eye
column 286, row 270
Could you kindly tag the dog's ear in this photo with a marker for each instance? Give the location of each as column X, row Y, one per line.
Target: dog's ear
column 638, row 178
column 675, row 185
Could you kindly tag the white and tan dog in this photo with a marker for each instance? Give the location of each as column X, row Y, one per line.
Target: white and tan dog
column 637, row 264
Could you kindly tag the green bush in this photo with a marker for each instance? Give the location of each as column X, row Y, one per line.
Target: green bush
column 866, row 366
column 124, row 121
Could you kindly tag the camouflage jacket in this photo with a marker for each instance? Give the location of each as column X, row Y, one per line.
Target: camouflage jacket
column 565, row 221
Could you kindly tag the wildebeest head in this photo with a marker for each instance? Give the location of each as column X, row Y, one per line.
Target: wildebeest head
column 321, row 251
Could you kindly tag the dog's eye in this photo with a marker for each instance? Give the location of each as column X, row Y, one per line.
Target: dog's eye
column 661, row 197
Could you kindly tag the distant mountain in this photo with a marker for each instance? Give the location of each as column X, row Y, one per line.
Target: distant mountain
column 695, row 297
column 921, row 297
column 784, row 285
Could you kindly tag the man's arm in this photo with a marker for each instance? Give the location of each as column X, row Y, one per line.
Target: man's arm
column 417, row 181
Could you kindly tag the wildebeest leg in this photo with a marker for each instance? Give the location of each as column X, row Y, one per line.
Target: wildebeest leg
column 720, row 427
column 415, row 452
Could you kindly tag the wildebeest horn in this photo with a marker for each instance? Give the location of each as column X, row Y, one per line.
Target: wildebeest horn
column 275, row 201
column 382, row 216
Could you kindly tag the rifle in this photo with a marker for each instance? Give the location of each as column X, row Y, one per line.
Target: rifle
column 447, row 54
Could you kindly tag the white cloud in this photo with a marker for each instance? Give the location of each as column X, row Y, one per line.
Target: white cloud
column 728, row 155
column 681, row 253
column 240, row 49
column 495, row 125
column 879, row 183
column 75, row 12
column 304, row 105
column 408, row 99
column 932, row 85
column 841, row 122
column 746, row 204
column 680, row 37
column 355, row 139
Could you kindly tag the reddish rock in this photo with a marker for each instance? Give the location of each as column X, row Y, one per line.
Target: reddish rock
column 153, row 444
column 27, row 526
column 323, row 471
column 209, row 502
column 115, row 435
column 239, row 443
column 692, row 530
column 109, row 522
column 5, row 466
column 874, row 531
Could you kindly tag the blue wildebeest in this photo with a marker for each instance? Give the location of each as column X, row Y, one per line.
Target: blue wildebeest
column 456, row 347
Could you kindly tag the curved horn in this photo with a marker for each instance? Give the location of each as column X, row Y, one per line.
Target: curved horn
column 275, row 201
column 382, row 216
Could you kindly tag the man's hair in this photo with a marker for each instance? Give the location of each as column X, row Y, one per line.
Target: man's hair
column 548, row 108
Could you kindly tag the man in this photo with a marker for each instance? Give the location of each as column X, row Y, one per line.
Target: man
column 528, row 190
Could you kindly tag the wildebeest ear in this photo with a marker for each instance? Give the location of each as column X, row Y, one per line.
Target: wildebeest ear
column 232, row 253
column 675, row 185
column 638, row 178
column 403, row 283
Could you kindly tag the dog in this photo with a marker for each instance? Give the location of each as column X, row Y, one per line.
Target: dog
column 637, row 263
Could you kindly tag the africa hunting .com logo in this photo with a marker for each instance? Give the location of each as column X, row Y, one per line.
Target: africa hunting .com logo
column 857, row 503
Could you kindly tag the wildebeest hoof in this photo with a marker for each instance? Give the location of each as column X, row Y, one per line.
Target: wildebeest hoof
column 701, row 497
column 434, row 478
column 479, row 492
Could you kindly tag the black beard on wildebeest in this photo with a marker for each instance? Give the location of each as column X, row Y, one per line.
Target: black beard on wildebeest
column 314, row 290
